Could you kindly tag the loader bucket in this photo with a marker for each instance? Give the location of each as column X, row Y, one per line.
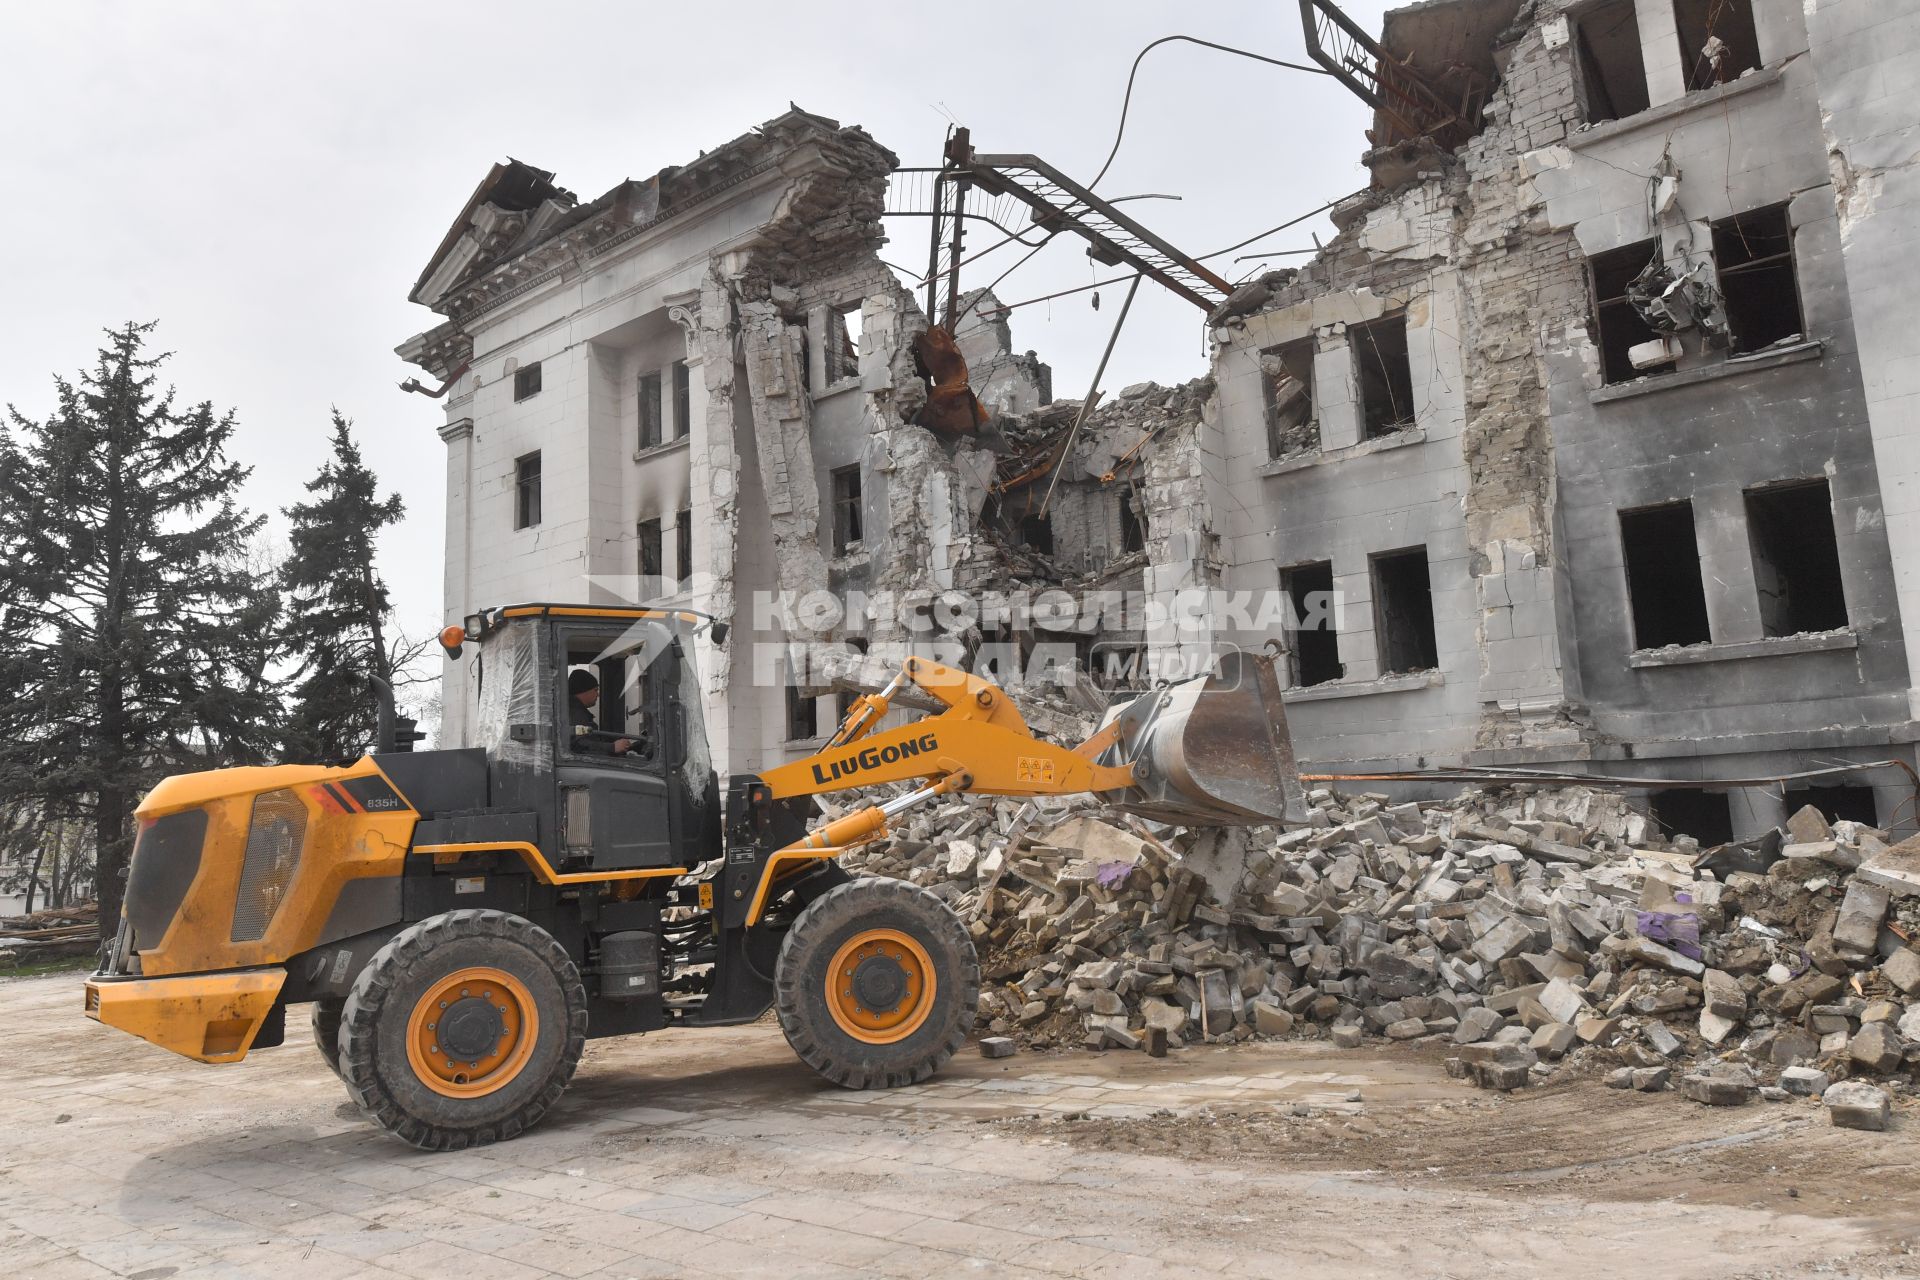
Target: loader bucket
column 1212, row 751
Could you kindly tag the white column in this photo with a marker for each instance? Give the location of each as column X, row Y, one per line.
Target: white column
column 455, row 593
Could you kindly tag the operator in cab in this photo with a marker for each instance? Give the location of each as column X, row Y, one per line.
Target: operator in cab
column 583, row 690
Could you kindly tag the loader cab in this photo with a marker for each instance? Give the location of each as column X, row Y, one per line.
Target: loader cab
column 654, row 805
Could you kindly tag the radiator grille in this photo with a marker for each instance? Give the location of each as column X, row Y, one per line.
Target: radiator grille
column 274, row 837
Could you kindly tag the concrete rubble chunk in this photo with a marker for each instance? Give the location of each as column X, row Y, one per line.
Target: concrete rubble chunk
column 1861, row 912
column 1902, row 971
column 1563, row 1001
column 1720, row 1086
column 1805, row 1082
column 1476, row 1024
column 1807, row 825
column 1506, row 938
column 996, row 1047
column 1854, row 1104
column 1639, row 950
column 1553, row 1040
column 1876, row 1047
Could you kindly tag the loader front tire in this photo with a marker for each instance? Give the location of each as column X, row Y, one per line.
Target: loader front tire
column 877, row 984
column 326, row 1031
column 463, row 1030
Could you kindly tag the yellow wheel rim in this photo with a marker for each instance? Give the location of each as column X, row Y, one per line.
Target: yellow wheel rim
column 881, row 986
column 491, row 1016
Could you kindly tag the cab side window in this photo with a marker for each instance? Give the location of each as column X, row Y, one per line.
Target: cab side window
column 607, row 709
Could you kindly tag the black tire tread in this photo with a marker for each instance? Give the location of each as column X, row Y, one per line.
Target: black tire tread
column 326, row 1030
column 363, row 1008
column 834, row 909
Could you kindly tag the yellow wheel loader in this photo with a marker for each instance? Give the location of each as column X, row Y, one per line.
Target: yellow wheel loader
column 461, row 921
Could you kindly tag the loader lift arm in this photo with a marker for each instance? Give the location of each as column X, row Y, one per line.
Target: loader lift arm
column 979, row 743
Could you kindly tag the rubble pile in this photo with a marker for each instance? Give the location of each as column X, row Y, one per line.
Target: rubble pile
column 1527, row 930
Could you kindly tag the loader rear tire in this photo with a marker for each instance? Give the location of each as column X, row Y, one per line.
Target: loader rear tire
column 326, row 1031
column 507, row 1001
column 877, row 984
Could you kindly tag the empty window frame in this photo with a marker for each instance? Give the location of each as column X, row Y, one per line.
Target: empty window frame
column 1662, row 560
column 1707, row 816
column 526, row 491
column 843, row 342
column 526, row 381
column 1753, row 258
column 1133, row 535
column 683, row 548
column 803, row 715
column 1314, row 644
column 651, row 427
column 1403, row 612
column 847, row 512
column 1796, row 559
column 1717, row 40
column 682, row 399
column 1385, row 377
column 1286, row 380
column 651, row 568
column 1613, row 76
column 1851, row 804
column 1617, row 326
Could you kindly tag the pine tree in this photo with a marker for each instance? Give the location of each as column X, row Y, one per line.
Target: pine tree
column 137, row 630
column 337, row 606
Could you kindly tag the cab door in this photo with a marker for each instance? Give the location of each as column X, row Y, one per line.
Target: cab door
column 614, row 810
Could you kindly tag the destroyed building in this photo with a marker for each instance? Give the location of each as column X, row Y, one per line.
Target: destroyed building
column 1594, row 421
column 1574, row 418
column 697, row 387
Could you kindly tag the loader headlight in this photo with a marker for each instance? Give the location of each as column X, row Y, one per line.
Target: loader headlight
column 274, row 838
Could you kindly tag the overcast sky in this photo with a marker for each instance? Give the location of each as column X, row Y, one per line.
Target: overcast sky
column 268, row 179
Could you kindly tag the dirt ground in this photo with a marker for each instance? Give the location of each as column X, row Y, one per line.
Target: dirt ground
column 716, row 1153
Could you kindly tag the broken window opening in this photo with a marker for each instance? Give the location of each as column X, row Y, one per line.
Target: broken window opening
column 1796, row 558
column 1314, row 645
column 1753, row 259
column 1286, row 378
column 1386, row 377
column 1836, row 804
column 1036, row 533
column 682, row 399
column 1707, row 816
column 847, row 513
column 526, row 381
column 1133, row 535
column 1403, row 612
column 651, row 568
column 683, row 548
column 1613, row 74
column 1717, row 40
column 526, row 491
column 1664, row 588
column 1119, row 667
column 1618, row 326
column 843, row 342
column 803, row 714
column 649, row 400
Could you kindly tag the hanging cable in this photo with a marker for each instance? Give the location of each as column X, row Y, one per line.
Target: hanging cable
column 1126, row 102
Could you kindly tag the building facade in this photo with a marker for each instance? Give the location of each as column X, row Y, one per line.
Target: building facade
column 1578, row 419
column 1588, row 444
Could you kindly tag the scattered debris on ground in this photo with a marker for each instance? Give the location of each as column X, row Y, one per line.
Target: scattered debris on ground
column 1529, row 930
column 52, row 934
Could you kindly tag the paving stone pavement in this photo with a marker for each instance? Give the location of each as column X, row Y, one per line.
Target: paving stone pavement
column 683, row 1154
